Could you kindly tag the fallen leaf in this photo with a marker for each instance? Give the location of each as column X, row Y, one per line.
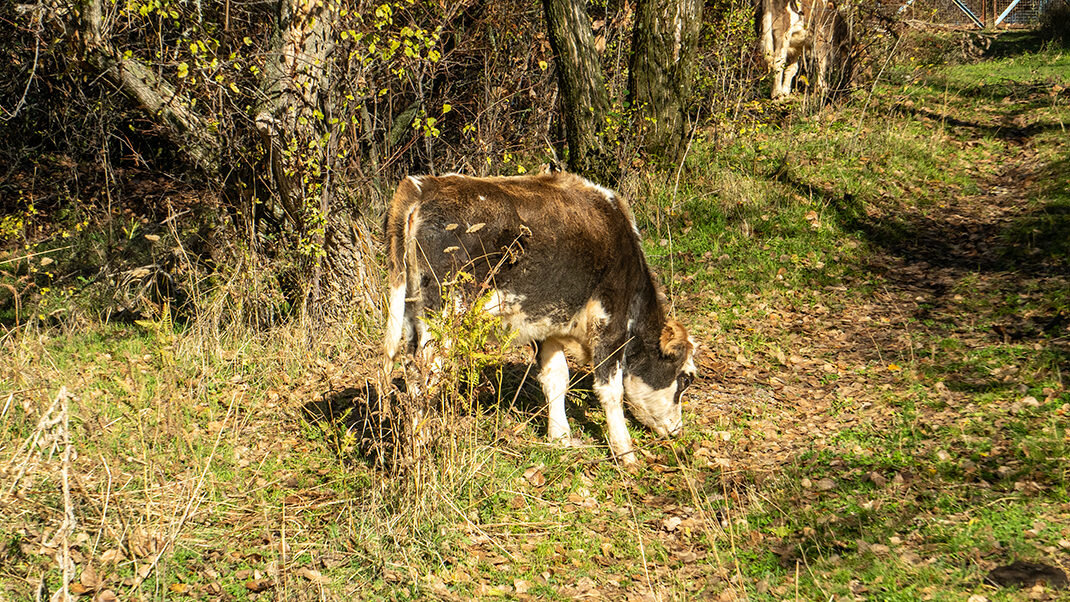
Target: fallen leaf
column 258, row 585
column 672, row 523
column 90, row 578
column 535, row 476
column 312, row 575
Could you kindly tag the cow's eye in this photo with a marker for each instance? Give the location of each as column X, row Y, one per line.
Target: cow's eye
column 683, row 382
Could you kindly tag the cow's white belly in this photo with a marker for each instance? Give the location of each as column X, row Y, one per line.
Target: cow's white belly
column 577, row 330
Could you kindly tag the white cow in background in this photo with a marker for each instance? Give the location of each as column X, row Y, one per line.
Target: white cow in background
column 810, row 32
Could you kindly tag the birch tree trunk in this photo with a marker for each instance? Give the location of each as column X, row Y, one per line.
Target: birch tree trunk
column 664, row 45
column 584, row 99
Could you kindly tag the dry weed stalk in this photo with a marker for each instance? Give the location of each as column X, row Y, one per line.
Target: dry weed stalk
column 191, row 505
column 49, row 434
column 69, row 520
column 52, row 434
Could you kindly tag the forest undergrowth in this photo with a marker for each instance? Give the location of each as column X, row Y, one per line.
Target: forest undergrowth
column 880, row 291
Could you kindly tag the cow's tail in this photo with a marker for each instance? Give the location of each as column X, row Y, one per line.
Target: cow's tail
column 400, row 230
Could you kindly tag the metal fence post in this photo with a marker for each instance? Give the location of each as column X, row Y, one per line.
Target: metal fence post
column 1006, row 12
column 969, row 13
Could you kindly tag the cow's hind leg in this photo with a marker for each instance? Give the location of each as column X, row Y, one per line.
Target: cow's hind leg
column 398, row 327
column 787, row 77
column 553, row 376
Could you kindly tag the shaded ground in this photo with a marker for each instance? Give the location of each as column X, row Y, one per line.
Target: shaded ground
column 954, row 272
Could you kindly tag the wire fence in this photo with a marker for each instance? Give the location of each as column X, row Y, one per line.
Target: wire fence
column 977, row 13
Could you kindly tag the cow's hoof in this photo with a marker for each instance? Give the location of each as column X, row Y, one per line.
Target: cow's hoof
column 628, row 460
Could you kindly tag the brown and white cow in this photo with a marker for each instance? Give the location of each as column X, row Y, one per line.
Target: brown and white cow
column 560, row 261
column 793, row 32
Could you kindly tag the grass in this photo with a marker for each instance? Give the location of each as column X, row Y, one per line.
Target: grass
column 880, row 292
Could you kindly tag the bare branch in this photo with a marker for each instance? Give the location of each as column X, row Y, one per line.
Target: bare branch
column 155, row 95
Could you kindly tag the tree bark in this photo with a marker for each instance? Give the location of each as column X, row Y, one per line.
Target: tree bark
column 584, row 99
column 294, row 121
column 664, row 45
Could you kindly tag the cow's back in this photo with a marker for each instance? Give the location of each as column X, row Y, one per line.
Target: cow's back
column 552, row 242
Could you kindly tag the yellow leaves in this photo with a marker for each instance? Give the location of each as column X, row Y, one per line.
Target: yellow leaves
column 183, row 70
column 543, row 65
column 894, row 367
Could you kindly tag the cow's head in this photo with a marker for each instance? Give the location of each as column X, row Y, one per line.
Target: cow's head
column 656, row 377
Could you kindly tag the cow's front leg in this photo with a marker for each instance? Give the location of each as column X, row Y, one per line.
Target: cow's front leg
column 553, row 376
column 609, row 385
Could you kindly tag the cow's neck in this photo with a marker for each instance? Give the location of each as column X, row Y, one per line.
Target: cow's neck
column 646, row 316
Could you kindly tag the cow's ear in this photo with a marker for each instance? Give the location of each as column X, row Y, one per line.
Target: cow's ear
column 674, row 340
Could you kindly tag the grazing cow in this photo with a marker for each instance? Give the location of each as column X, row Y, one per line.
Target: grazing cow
column 559, row 261
column 791, row 32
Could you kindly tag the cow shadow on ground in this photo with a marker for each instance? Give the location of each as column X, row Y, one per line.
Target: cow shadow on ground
column 356, row 420
column 352, row 421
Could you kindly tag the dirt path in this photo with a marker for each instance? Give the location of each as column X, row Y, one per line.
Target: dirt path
column 958, row 282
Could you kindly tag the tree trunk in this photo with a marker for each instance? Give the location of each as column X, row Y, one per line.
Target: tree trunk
column 294, row 120
column 584, row 99
column 664, row 45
